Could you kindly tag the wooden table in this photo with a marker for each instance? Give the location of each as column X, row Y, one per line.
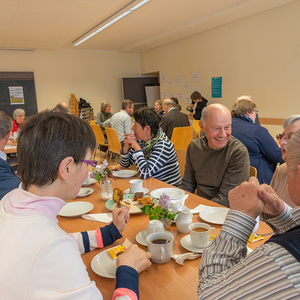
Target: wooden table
column 12, row 149
column 166, row 281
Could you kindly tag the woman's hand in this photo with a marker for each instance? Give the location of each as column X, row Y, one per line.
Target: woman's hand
column 120, row 217
column 130, row 140
column 136, row 258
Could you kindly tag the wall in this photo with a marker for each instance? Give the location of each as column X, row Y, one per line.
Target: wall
column 258, row 56
column 92, row 75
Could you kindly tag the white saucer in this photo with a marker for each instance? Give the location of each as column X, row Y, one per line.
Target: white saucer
column 144, row 190
column 83, row 192
column 141, row 237
column 89, row 181
column 75, row 209
column 186, row 243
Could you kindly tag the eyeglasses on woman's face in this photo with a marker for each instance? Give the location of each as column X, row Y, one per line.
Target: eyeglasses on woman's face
column 283, row 136
column 89, row 162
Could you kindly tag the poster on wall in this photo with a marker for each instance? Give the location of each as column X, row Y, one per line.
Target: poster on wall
column 216, row 87
column 163, row 78
column 186, row 85
column 187, row 99
column 16, row 95
column 164, row 95
column 195, row 77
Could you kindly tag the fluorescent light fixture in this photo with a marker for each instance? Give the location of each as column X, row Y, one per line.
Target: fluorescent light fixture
column 129, row 11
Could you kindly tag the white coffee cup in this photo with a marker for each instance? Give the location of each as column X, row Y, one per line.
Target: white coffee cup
column 154, row 226
column 160, row 253
column 200, row 239
column 136, row 185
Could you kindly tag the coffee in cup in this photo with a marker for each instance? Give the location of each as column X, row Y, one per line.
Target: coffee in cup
column 200, row 234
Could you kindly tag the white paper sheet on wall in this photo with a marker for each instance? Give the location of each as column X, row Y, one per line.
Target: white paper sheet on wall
column 195, row 76
column 163, row 77
column 172, row 95
column 164, row 95
column 187, row 99
column 186, row 85
column 178, row 80
column 195, row 89
column 170, row 84
column 180, row 96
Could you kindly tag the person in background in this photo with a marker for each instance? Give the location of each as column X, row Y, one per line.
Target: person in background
column 249, row 98
column 121, row 121
column 201, row 103
column 177, row 103
column 172, row 118
column 159, row 107
column 19, row 116
column 53, row 168
column 270, row 271
column 104, row 114
column 279, row 180
column 150, row 149
column 216, row 162
column 63, row 107
column 8, row 178
column 263, row 150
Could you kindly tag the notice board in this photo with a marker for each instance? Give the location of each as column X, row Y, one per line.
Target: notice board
column 17, row 83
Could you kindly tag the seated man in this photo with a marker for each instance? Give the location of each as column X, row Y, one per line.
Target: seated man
column 63, row 107
column 270, row 271
column 121, row 121
column 216, row 162
column 279, row 180
column 8, row 178
column 172, row 118
column 150, row 149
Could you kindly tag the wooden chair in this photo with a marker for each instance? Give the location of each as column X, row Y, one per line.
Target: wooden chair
column 100, row 139
column 114, row 144
column 197, row 127
column 253, row 172
column 181, row 157
column 86, row 114
column 73, row 105
column 181, row 137
column 93, row 122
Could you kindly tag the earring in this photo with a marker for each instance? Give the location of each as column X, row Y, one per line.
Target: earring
column 66, row 181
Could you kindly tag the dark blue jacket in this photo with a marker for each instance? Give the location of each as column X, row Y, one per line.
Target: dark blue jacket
column 263, row 151
column 8, row 178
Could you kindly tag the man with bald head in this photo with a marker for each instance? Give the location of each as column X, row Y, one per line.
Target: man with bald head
column 216, row 162
column 63, row 107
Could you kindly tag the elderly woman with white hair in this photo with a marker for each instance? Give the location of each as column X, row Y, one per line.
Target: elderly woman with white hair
column 279, row 180
column 19, row 116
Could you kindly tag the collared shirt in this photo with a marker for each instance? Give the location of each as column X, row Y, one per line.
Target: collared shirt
column 2, row 155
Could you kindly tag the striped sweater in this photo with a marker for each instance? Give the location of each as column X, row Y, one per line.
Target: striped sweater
column 161, row 163
column 269, row 272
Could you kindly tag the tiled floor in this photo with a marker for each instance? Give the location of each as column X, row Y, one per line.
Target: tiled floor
column 114, row 159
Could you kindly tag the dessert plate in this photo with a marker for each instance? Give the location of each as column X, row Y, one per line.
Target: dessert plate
column 173, row 193
column 83, row 192
column 214, row 215
column 89, row 181
column 124, row 173
column 103, row 265
column 75, row 209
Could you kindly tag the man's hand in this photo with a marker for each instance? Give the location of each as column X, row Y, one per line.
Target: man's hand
column 273, row 205
column 245, row 198
column 136, row 258
column 120, row 217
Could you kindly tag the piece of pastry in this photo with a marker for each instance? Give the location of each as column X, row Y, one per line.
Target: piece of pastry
column 117, row 195
column 146, row 201
column 138, row 195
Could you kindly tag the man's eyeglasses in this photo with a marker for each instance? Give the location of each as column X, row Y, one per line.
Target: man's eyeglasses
column 255, row 110
column 89, row 162
column 282, row 136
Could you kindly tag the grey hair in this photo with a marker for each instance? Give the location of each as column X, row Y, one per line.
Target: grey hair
column 169, row 102
column 206, row 109
column 18, row 112
column 293, row 147
column 288, row 121
column 244, row 97
column 104, row 105
column 5, row 124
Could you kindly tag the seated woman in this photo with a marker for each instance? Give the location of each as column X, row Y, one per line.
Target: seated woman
column 19, row 116
column 53, row 168
column 150, row 149
column 159, row 107
column 263, row 151
column 279, row 180
column 104, row 114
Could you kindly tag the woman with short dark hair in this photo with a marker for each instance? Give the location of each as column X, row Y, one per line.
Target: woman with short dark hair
column 150, row 149
column 54, row 151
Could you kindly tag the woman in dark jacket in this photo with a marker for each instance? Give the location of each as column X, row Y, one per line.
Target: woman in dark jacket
column 263, row 151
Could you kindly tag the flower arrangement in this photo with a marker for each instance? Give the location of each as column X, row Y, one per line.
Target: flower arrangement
column 100, row 173
column 162, row 211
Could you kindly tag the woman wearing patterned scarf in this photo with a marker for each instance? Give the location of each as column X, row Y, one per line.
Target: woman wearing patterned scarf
column 150, row 149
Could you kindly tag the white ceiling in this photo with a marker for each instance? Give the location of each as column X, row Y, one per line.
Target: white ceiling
column 56, row 24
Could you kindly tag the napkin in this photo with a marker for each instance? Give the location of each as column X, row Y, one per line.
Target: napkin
column 180, row 258
column 105, row 217
column 199, row 208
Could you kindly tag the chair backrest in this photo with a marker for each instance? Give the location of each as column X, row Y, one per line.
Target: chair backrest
column 197, row 127
column 181, row 157
column 86, row 114
column 100, row 139
column 253, row 172
column 93, row 122
column 181, row 137
column 114, row 144
column 73, row 105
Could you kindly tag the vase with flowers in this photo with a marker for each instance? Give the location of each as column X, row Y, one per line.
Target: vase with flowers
column 162, row 211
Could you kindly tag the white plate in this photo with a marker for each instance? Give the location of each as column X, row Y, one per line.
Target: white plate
column 89, row 181
column 186, row 243
column 75, row 209
column 214, row 215
column 111, row 204
column 141, row 237
column 124, row 173
column 83, row 192
column 171, row 192
column 103, row 265
column 144, row 190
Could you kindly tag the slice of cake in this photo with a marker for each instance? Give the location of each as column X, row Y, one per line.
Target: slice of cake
column 117, row 195
column 138, row 196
